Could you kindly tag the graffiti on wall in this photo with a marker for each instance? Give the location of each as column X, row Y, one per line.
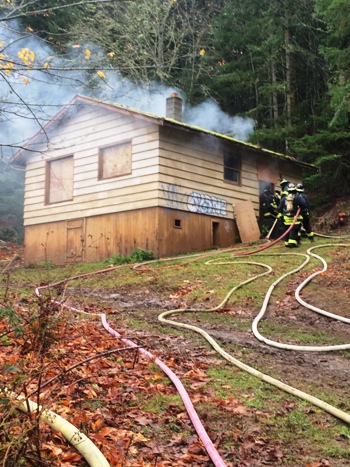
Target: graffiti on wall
column 205, row 204
column 173, row 196
column 196, row 202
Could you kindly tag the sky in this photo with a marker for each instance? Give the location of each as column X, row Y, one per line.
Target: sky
column 29, row 98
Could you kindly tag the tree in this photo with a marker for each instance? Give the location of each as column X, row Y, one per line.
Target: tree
column 336, row 49
column 264, row 60
column 33, row 76
column 151, row 40
column 11, row 203
column 149, row 43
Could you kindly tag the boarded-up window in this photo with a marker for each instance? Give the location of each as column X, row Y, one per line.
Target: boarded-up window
column 268, row 171
column 115, row 160
column 232, row 168
column 59, row 180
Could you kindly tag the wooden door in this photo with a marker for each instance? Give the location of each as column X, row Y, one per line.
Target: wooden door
column 75, row 241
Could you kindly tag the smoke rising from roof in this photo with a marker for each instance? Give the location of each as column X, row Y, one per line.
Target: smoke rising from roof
column 208, row 115
column 24, row 107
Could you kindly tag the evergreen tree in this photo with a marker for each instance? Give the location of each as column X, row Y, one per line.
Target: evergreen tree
column 264, row 61
column 336, row 49
column 282, row 62
column 11, row 202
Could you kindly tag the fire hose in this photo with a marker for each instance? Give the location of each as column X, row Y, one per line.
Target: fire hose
column 204, row 437
column 302, row 302
column 75, row 437
column 92, row 454
column 212, row 452
column 263, row 377
column 208, row 444
column 270, row 244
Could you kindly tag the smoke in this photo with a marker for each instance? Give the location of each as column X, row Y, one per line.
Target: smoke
column 208, row 115
column 29, row 98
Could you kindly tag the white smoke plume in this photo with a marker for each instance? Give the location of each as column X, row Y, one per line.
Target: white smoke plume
column 23, row 107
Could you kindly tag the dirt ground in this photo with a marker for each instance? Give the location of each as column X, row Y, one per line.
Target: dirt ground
column 329, row 371
column 295, row 366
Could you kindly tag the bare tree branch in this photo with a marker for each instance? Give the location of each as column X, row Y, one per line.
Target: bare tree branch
column 13, row 15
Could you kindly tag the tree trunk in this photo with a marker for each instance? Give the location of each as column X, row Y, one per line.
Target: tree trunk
column 274, row 96
column 288, row 78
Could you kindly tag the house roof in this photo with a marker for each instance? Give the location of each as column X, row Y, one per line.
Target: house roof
column 20, row 156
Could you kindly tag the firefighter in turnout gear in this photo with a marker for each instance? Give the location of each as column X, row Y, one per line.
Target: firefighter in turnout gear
column 284, row 188
column 287, row 211
column 269, row 205
column 269, row 211
column 306, row 215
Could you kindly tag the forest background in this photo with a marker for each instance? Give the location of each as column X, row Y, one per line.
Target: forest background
column 283, row 65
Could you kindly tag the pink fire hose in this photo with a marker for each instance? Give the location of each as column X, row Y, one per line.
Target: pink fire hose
column 269, row 244
column 197, row 424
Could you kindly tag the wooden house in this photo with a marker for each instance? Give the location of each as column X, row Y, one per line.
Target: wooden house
column 103, row 179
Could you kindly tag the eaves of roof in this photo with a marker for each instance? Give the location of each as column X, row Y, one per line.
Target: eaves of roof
column 164, row 121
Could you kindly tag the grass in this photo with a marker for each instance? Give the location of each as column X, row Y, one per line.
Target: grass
column 204, row 285
column 295, row 422
column 161, row 402
column 293, row 333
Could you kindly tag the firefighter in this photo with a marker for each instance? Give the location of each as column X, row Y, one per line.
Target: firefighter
column 277, row 196
column 287, row 211
column 305, row 215
column 282, row 194
column 284, row 188
column 269, row 205
column 269, row 210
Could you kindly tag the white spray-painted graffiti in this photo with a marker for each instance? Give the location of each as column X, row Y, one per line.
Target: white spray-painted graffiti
column 205, row 204
column 196, row 202
column 173, row 196
column 227, row 226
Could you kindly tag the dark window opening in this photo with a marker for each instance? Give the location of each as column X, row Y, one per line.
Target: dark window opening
column 232, row 168
column 177, row 223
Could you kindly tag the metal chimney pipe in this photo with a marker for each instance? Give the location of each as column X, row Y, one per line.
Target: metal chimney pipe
column 174, row 107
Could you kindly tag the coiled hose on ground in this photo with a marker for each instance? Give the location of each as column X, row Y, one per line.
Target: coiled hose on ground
column 209, row 446
column 306, row 305
column 202, row 434
column 302, row 395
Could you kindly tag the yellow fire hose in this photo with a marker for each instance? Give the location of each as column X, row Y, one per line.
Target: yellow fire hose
column 76, row 438
column 263, row 377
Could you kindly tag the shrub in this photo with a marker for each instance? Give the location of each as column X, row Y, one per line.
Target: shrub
column 137, row 256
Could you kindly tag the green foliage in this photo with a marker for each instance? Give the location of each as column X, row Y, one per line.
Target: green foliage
column 333, row 180
column 11, row 203
column 50, row 22
column 345, row 431
column 14, row 320
column 47, row 265
column 284, row 64
column 336, row 16
column 137, row 256
column 8, row 235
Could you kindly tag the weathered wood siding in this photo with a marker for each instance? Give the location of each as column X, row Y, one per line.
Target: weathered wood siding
column 45, row 242
column 192, row 166
column 92, row 239
column 81, row 136
column 174, row 201
column 186, row 232
column 97, row 238
column 122, row 232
